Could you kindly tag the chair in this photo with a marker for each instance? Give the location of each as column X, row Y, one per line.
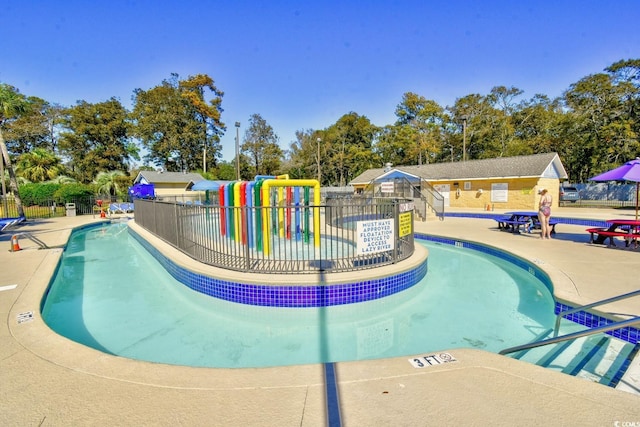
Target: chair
column 9, row 223
column 114, row 208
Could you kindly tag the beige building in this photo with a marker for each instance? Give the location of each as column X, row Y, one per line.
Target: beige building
column 500, row 183
column 170, row 184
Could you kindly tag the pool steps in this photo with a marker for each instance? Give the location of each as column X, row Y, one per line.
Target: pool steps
column 612, row 362
column 598, row 358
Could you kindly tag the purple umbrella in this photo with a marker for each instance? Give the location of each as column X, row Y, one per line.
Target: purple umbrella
column 630, row 171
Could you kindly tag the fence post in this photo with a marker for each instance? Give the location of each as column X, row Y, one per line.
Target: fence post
column 177, row 222
column 396, row 229
column 246, row 231
column 155, row 217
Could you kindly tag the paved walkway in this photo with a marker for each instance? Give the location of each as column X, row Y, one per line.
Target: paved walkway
column 48, row 380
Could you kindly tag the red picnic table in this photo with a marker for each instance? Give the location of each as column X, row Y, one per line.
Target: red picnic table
column 628, row 229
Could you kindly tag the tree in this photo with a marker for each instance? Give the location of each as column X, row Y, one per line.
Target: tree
column 302, row 157
column 424, row 117
column 63, row 179
column 96, row 138
column 225, row 171
column 537, row 125
column 394, row 145
column 37, row 127
column 344, row 150
column 502, row 99
column 39, row 165
column 483, row 127
column 12, row 104
column 348, row 149
column 603, row 108
column 261, row 147
column 207, row 115
column 107, row 182
column 626, row 75
column 177, row 125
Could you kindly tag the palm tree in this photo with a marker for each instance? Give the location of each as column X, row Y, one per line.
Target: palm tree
column 39, row 165
column 11, row 104
column 107, row 183
column 63, row 179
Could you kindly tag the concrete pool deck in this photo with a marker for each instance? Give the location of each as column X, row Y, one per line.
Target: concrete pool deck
column 46, row 379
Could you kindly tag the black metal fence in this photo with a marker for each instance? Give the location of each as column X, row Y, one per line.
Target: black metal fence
column 584, row 203
column 343, row 235
column 50, row 208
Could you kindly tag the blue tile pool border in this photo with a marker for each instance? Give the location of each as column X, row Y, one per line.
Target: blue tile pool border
column 590, row 320
column 295, row 295
column 522, row 263
column 367, row 290
column 559, row 219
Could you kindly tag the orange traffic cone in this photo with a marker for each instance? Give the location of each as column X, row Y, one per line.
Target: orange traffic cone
column 15, row 247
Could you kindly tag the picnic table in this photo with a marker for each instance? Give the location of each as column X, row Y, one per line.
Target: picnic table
column 627, row 229
column 528, row 220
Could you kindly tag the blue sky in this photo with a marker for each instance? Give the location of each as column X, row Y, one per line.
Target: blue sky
column 304, row 64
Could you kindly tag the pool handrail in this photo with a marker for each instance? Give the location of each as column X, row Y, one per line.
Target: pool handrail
column 606, row 328
column 27, row 235
column 594, row 304
column 592, row 331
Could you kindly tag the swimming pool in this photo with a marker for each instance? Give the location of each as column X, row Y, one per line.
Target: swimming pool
column 110, row 294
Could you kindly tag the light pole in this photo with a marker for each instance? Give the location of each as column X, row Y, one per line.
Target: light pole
column 204, row 158
column 319, row 140
column 237, row 151
column 464, row 138
column 4, row 189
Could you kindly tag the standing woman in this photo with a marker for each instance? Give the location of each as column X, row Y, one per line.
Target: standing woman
column 544, row 209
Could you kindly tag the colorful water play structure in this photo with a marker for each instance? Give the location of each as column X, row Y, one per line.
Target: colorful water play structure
column 247, row 215
column 276, row 224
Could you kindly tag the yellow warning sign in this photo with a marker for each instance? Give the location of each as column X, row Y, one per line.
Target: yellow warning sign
column 404, row 224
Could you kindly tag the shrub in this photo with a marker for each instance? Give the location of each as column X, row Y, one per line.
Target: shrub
column 69, row 193
column 38, row 193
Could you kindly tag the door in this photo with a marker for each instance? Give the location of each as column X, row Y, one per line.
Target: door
column 443, row 189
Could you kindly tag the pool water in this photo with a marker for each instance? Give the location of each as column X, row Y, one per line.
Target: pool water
column 110, row 294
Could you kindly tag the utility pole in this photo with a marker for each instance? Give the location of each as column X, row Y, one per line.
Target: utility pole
column 204, row 158
column 237, row 151
column 464, row 138
column 319, row 140
column 4, row 188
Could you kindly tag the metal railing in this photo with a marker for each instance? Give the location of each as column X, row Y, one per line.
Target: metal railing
column 433, row 199
column 51, row 208
column 34, row 239
column 282, row 239
column 595, row 304
column 591, row 331
column 422, row 193
column 568, row 337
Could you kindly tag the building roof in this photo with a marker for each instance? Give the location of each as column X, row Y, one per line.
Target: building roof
column 396, row 173
column 546, row 165
column 207, row 185
column 153, row 177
